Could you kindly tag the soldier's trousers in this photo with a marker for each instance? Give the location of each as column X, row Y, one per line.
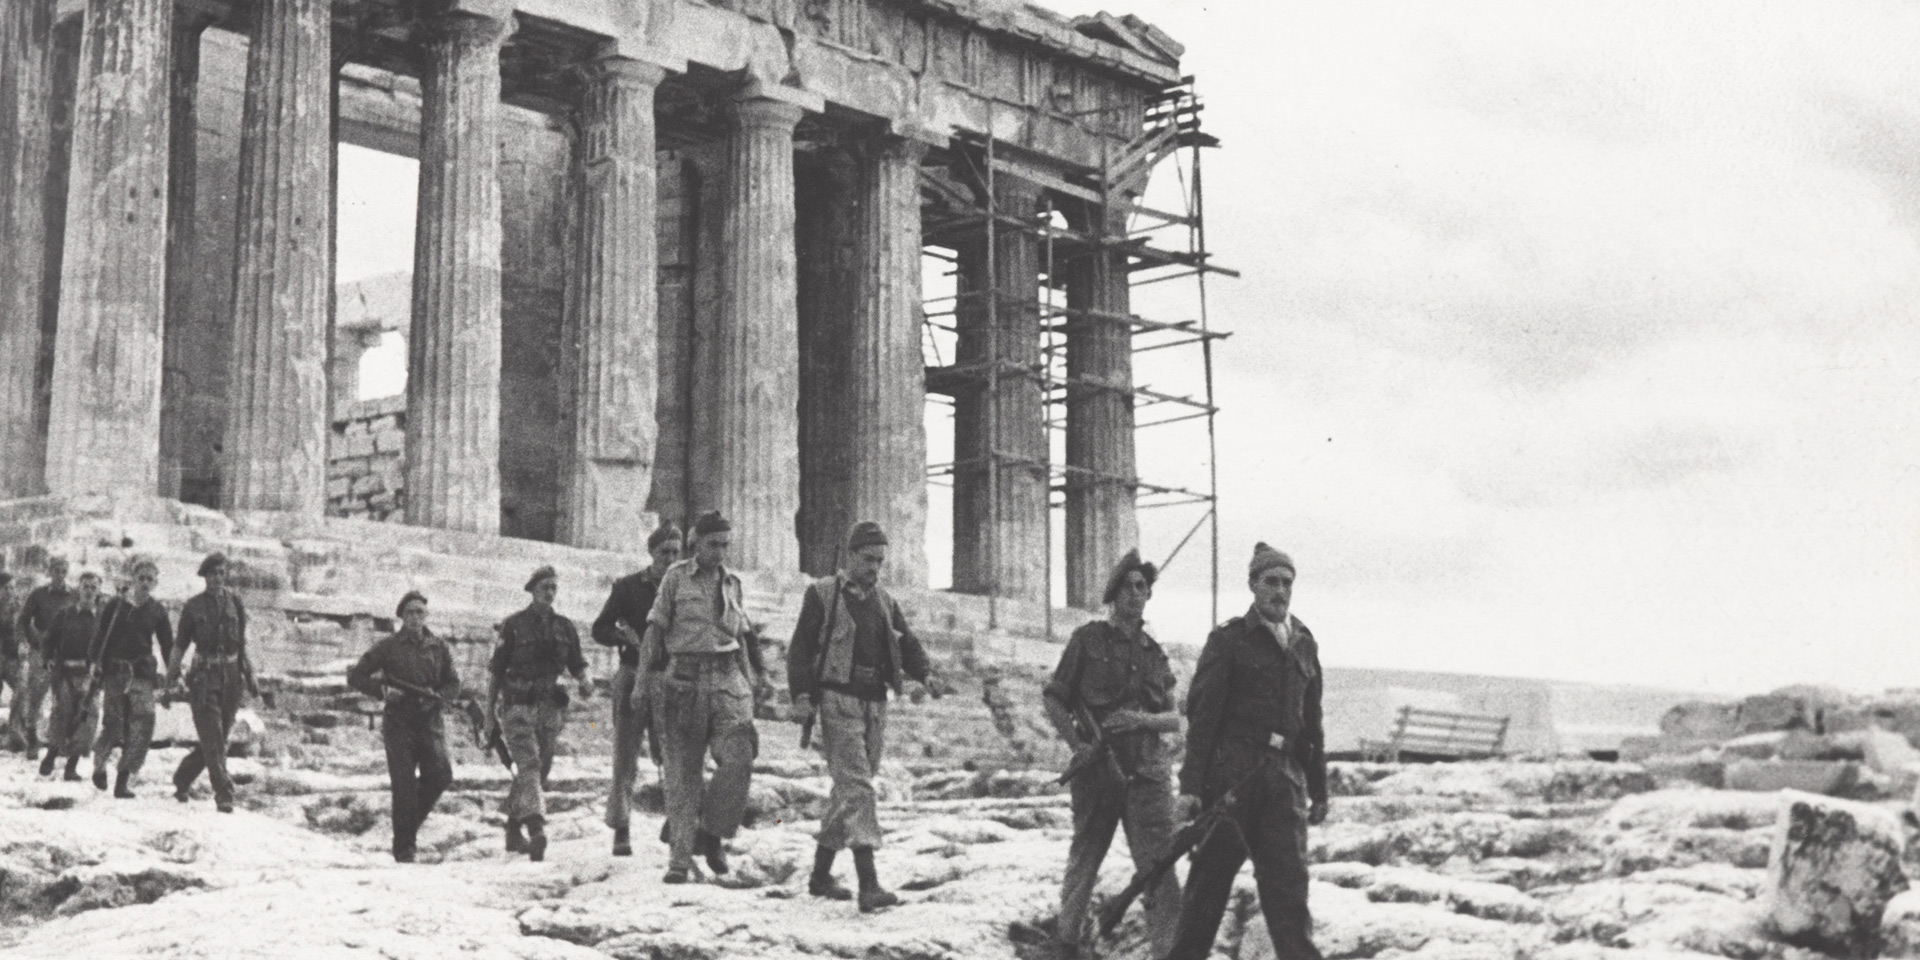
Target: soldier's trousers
column 1144, row 808
column 418, row 768
column 853, row 734
column 213, row 691
column 70, row 729
column 126, row 711
column 13, row 674
column 23, row 718
column 1267, row 822
column 707, row 706
column 628, row 724
column 530, row 731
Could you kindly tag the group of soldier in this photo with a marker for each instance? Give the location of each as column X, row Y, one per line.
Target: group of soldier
column 100, row 657
column 690, row 676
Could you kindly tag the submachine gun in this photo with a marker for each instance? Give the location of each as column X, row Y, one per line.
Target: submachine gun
column 487, row 738
column 1184, row 841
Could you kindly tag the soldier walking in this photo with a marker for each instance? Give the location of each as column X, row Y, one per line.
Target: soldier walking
column 411, row 673
column 1111, row 699
column 621, row 619
column 13, row 664
column 35, row 618
column 699, row 623
column 213, row 624
column 1253, row 719
column 128, row 672
column 851, row 646
column 525, row 698
column 67, row 650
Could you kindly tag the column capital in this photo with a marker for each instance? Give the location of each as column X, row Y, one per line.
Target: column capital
column 474, row 27
column 760, row 113
column 890, row 145
column 805, row 101
column 626, row 71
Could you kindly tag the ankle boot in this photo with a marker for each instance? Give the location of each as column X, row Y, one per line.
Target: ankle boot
column 708, row 844
column 120, row 788
column 872, row 895
column 622, row 843
column 99, row 777
column 536, row 839
column 47, row 763
column 516, row 841
column 822, row 883
column 72, row 773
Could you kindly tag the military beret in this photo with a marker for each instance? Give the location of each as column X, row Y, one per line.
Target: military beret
column 1127, row 565
column 711, row 522
column 1266, row 558
column 866, row 533
column 411, row 596
column 544, row 573
column 142, row 563
column 93, row 575
column 667, row 531
column 53, row 562
column 214, row 561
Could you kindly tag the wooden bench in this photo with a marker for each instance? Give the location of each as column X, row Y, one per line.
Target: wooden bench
column 1421, row 735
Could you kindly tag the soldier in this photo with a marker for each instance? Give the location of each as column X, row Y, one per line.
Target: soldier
column 1253, row 719
column 128, row 672
column 1114, row 674
column 525, row 698
column 214, row 626
column 699, row 623
column 36, row 616
column 412, row 673
column 12, row 662
column 65, row 650
column 852, row 643
column 621, row 619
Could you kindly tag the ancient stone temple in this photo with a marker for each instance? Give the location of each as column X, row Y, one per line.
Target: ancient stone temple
column 668, row 258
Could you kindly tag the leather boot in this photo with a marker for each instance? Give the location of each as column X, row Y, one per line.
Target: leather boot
column 822, row 883
column 72, row 774
column 47, row 762
column 516, row 841
column 622, row 843
column 708, row 844
column 99, row 778
column 120, row 788
column 872, row 895
column 536, row 839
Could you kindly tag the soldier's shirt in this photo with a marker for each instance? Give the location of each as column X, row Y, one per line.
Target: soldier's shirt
column 699, row 611
column 36, row 615
column 537, row 644
column 215, row 622
column 422, row 660
column 71, row 636
column 132, row 630
column 1107, row 670
column 9, row 638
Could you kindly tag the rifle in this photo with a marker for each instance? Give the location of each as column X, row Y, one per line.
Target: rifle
column 484, row 737
column 1184, row 840
column 1102, row 750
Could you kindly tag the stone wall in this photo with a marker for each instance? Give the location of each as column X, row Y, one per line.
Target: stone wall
column 366, row 462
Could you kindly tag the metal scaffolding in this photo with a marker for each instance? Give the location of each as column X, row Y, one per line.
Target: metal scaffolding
column 959, row 211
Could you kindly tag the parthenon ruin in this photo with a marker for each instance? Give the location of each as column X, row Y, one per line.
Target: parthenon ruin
column 668, row 258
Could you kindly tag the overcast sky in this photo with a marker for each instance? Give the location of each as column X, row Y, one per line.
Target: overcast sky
column 1575, row 340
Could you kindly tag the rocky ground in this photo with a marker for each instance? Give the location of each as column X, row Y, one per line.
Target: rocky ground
column 1569, row 859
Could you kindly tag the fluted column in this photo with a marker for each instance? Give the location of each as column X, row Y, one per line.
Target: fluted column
column 26, row 114
column 453, row 356
column 1100, row 455
column 190, row 22
column 104, row 432
column 276, row 439
column 756, row 337
column 885, row 386
column 613, row 300
column 999, row 525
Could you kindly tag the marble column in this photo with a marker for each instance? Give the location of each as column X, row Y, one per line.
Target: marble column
column 276, row 437
column 1100, row 515
column 755, row 438
column 191, row 20
column 885, row 373
column 613, row 302
column 26, row 113
column 104, row 430
column 1001, row 551
column 453, row 355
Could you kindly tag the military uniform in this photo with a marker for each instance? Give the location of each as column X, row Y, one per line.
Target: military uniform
column 1106, row 668
column 536, row 646
column 630, row 601
column 68, row 642
column 1253, row 718
column 12, row 659
column 128, row 675
column 699, row 623
column 418, row 767
column 32, row 623
column 213, row 625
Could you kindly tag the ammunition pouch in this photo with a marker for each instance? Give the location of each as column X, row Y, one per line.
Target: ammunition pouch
column 528, row 693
